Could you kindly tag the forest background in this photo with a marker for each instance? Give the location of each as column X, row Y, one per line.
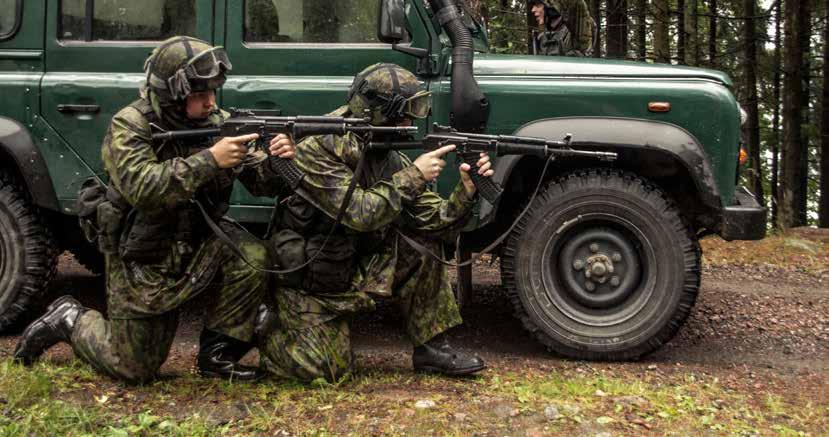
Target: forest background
column 773, row 49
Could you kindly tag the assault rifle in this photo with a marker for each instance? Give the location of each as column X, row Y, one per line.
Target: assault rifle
column 469, row 146
column 244, row 122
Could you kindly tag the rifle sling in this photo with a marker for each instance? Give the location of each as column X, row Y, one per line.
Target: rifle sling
column 423, row 250
column 222, row 235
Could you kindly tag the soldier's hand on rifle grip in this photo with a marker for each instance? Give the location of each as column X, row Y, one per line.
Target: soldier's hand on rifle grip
column 230, row 151
column 484, row 169
column 283, row 146
column 432, row 163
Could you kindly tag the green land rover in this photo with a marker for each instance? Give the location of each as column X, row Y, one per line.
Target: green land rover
column 605, row 262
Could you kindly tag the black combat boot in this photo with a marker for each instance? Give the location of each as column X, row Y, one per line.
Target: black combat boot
column 49, row 329
column 219, row 357
column 437, row 356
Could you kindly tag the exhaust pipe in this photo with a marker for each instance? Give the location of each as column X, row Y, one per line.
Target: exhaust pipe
column 470, row 107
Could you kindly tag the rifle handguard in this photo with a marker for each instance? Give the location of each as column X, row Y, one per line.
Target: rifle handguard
column 488, row 188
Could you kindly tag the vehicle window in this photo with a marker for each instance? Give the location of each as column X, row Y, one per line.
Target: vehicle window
column 311, row 21
column 8, row 17
column 127, row 20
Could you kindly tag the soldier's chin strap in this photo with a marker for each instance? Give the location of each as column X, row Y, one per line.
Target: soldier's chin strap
column 222, row 235
column 425, row 251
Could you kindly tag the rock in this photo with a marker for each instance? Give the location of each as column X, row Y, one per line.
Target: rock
column 600, row 393
column 551, row 412
column 571, row 410
column 424, row 404
column 504, row 410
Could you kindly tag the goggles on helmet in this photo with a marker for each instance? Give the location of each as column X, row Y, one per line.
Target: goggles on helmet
column 203, row 70
column 397, row 107
column 208, row 64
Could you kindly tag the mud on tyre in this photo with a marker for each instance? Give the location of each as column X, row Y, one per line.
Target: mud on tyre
column 602, row 267
column 28, row 254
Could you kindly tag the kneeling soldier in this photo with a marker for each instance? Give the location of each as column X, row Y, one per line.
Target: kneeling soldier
column 160, row 251
column 306, row 336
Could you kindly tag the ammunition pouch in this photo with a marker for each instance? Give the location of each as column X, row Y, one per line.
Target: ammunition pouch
column 101, row 214
column 333, row 263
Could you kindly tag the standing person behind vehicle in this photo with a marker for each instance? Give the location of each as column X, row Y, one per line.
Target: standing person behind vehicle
column 308, row 337
column 159, row 250
column 566, row 28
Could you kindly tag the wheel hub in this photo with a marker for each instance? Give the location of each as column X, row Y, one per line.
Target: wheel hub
column 599, row 267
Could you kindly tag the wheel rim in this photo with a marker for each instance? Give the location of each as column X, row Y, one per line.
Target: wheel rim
column 596, row 271
column 598, row 267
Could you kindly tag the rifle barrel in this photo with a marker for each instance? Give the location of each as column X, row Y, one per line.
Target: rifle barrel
column 187, row 133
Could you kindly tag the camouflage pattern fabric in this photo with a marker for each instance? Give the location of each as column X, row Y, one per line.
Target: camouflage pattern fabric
column 572, row 36
column 143, row 297
column 311, row 339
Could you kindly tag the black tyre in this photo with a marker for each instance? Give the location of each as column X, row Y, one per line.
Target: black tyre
column 28, row 254
column 602, row 267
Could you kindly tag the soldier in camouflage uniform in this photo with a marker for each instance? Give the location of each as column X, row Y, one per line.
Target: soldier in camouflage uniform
column 566, row 28
column 307, row 336
column 160, row 252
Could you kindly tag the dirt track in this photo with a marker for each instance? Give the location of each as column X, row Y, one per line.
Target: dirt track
column 745, row 327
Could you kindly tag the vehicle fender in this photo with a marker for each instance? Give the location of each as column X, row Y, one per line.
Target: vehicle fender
column 17, row 143
column 624, row 135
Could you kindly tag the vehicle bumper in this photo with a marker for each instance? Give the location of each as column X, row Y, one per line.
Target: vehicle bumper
column 745, row 219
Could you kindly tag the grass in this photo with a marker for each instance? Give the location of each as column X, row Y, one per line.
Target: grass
column 804, row 250
column 69, row 399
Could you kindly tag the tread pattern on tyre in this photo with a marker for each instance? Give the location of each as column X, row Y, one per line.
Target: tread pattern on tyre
column 40, row 252
column 657, row 199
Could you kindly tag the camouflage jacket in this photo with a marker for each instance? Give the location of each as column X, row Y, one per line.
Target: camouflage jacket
column 390, row 197
column 164, row 233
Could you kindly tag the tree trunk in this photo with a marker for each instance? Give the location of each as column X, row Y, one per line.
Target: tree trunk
column 642, row 30
column 661, row 19
column 712, row 34
column 617, row 29
column 823, row 207
column 793, row 198
column 692, row 33
column 597, row 17
column 681, row 37
column 775, row 119
column 752, row 127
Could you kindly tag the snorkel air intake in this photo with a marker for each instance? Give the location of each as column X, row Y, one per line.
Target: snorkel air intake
column 470, row 107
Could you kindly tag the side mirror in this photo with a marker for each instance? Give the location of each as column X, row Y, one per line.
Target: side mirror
column 391, row 26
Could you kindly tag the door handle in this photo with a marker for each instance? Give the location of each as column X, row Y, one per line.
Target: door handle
column 67, row 109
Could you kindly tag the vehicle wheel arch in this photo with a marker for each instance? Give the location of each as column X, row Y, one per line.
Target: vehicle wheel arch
column 21, row 157
column 665, row 154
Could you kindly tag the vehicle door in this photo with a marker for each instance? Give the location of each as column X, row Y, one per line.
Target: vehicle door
column 299, row 57
column 95, row 53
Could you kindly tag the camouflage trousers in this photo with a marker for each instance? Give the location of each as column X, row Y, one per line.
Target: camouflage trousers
column 135, row 342
column 311, row 338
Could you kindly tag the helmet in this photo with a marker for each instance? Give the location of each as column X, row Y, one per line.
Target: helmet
column 182, row 65
column 388, row 93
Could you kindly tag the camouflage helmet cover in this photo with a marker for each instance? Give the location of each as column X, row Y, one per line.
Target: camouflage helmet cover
column 387, row 93
column 181, row 65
